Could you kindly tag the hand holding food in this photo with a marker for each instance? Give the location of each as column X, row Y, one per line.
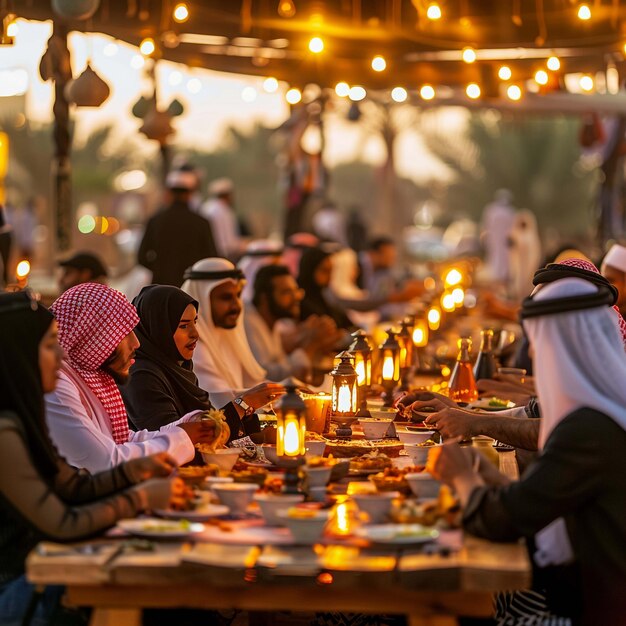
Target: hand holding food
column 154, row 466
column 263, row 394
column 215, row 420
column 453, row 423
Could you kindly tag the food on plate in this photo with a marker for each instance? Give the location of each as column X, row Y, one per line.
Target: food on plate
column 255, row 475
column 343, row 449
column 497, row 402
column 222, row 430
column 427, row 444
column 313, row 436
column 393, row 478
column 320, row 461
column 374, row 460
column 445, row 508
column 195, row 474
column 153, row 526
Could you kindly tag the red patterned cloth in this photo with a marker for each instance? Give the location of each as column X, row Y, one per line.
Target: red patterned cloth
column 590, row 267
column 93, row 319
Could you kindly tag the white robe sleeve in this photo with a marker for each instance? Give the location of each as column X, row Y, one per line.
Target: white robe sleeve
column 86, row 442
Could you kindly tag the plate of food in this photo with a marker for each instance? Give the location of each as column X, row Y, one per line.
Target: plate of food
column 491, row 404
column 157, row 528
column 397, row 534
column 201, row 513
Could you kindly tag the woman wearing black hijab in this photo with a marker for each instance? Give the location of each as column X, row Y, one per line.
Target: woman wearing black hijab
column 163, row 387
column 41, row 497
column 314, row 278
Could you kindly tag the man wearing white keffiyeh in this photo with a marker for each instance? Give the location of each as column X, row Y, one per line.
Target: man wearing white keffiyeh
column 580, row 476
column 86, row 415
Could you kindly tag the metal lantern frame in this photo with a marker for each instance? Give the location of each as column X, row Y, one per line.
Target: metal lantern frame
column 405, row 341
column 390, row 349
column 290, row 419
column 344, row 378
column 362, row 352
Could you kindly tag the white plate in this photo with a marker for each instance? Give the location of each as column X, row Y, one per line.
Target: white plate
column 397, row 534
column 155, row 528
column 201, row 514
column 483, row 405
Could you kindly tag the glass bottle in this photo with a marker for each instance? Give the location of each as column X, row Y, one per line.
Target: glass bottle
column 485, row 366
column 462, row 386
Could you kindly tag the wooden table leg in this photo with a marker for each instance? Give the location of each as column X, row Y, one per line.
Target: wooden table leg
column 432, row 620
column 115, row 617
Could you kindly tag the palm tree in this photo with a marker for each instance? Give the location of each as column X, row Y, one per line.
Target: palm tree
column 537, row 158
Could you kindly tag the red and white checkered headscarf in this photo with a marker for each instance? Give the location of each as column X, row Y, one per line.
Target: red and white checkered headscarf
column 93, row 319
column 590, row 267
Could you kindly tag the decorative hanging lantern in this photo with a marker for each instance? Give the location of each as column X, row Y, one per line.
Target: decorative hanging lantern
column 290, row 434
column 389, row 366
column 405, row 341
column 362, row 352
column 75, row 9
column 88, row 90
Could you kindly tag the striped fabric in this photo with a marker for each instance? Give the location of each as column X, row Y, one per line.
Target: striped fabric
column 525, row 608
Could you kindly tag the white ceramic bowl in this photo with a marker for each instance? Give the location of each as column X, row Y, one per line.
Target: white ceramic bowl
column 423, row 485
column 418, row 454
column 412, row 436
column 376, row 505
column 270, row 503
column 314, row 448
column 224, row 458
column 269, row 450
column 383, row 412
column 317, row 476
column 375, row 427
column 236, row 496
column 305, row 529
column 216, row 480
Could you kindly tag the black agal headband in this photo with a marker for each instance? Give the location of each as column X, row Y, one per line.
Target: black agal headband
column 536, row 308
column 556, row 271
column 191, row 274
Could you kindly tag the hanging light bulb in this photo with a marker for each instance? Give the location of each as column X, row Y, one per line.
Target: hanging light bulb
column 147, row 46
column 554, row 64
column 584, row 12
column 270, row 85
column 286, row 8
column 504, row 73
column 586, row 83
column 293, row 96
column 379, row 64
column 513, row 92
column 316, row 45
column 469, row 55
column 433, row 12
column 342, row 89
column 357, row 93
column 399, row 94
column 181, row 13
column 541, row 77
column 427, row 92
column 473, row 91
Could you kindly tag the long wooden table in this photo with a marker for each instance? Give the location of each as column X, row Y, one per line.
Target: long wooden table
column 432, row 589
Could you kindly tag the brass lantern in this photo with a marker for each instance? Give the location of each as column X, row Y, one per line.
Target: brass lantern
column 405, row 341
column 360, row 349
column 344, row 394
column 290, row 434
column 344, row 390
column 389, row 366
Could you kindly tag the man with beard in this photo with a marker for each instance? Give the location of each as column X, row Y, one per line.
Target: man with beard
column 277, row 297
column 85, row 414
column 223, row 361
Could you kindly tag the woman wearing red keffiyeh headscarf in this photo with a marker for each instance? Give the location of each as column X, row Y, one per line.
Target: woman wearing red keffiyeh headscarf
column 86, row 414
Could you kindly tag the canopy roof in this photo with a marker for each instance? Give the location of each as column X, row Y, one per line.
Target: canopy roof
column 251, row 37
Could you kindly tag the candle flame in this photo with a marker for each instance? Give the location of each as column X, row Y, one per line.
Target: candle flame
column 344, row 397
column 291, row 440
column 360, row 372
column 388, row 367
